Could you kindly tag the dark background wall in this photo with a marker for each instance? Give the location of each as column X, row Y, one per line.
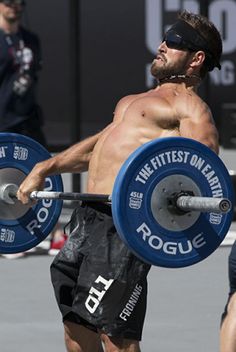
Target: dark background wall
column 95, row 52
column 112, row 54
column 51, row 21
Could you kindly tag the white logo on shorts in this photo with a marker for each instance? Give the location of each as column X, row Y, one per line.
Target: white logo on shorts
column 95, row 296
column 130, row 305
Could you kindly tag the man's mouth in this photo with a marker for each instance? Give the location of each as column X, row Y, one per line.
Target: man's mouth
column 161, row 57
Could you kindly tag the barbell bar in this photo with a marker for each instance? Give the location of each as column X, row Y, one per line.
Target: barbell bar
column 177, row 201
column 172, row 201
column 203, row 204
column 8, row 194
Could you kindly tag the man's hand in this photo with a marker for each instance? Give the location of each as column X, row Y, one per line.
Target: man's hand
column 33, row 182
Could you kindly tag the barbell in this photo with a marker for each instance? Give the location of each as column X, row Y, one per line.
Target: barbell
column 172, row 201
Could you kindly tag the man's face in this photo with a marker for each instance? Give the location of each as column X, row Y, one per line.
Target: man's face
column 170, row 61
column 11, row 11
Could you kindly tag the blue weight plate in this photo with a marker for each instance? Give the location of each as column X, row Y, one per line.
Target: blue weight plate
column 147, row 168
column 19, row 154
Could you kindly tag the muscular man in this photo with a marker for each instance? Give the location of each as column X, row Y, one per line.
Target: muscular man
column 95, row 276
column 20, row 61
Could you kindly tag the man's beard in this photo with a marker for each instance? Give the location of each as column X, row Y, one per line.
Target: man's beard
column 161, row 72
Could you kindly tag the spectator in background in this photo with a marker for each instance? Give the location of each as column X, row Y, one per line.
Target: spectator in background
column 20, row 61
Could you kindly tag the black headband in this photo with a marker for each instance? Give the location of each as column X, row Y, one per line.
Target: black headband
column 196, row 41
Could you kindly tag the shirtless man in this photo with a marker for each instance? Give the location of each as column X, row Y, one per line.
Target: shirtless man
column 95, row 275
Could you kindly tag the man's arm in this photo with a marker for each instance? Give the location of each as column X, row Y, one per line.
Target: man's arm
column 74, row 159
column 201, row 127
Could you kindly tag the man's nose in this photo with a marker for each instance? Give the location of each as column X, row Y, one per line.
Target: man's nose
column 162, row 47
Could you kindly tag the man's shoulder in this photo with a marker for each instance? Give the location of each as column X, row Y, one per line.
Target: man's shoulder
column 29, row 35
column 2, row 34
column 192, row 105
column 150, row 94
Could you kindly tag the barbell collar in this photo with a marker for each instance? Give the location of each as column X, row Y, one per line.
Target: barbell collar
column 6, row 192
column 204, row 204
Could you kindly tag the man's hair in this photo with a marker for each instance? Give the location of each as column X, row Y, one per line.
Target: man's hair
column 209, row 32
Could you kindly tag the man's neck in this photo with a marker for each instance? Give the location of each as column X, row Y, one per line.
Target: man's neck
column 192, row 81
column 179, row 84
column 9, row 27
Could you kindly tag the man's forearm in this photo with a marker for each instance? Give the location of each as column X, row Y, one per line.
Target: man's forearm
column 73, row 160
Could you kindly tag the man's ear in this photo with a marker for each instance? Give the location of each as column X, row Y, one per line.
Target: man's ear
column 198, row 59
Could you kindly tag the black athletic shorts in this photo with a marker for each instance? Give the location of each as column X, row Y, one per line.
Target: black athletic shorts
column 232, row 275
column 97, row 281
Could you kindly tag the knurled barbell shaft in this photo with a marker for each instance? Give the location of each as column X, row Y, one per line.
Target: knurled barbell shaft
column 10, row 193
column 203, row 204
column 185, row 203
column 71, row 196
